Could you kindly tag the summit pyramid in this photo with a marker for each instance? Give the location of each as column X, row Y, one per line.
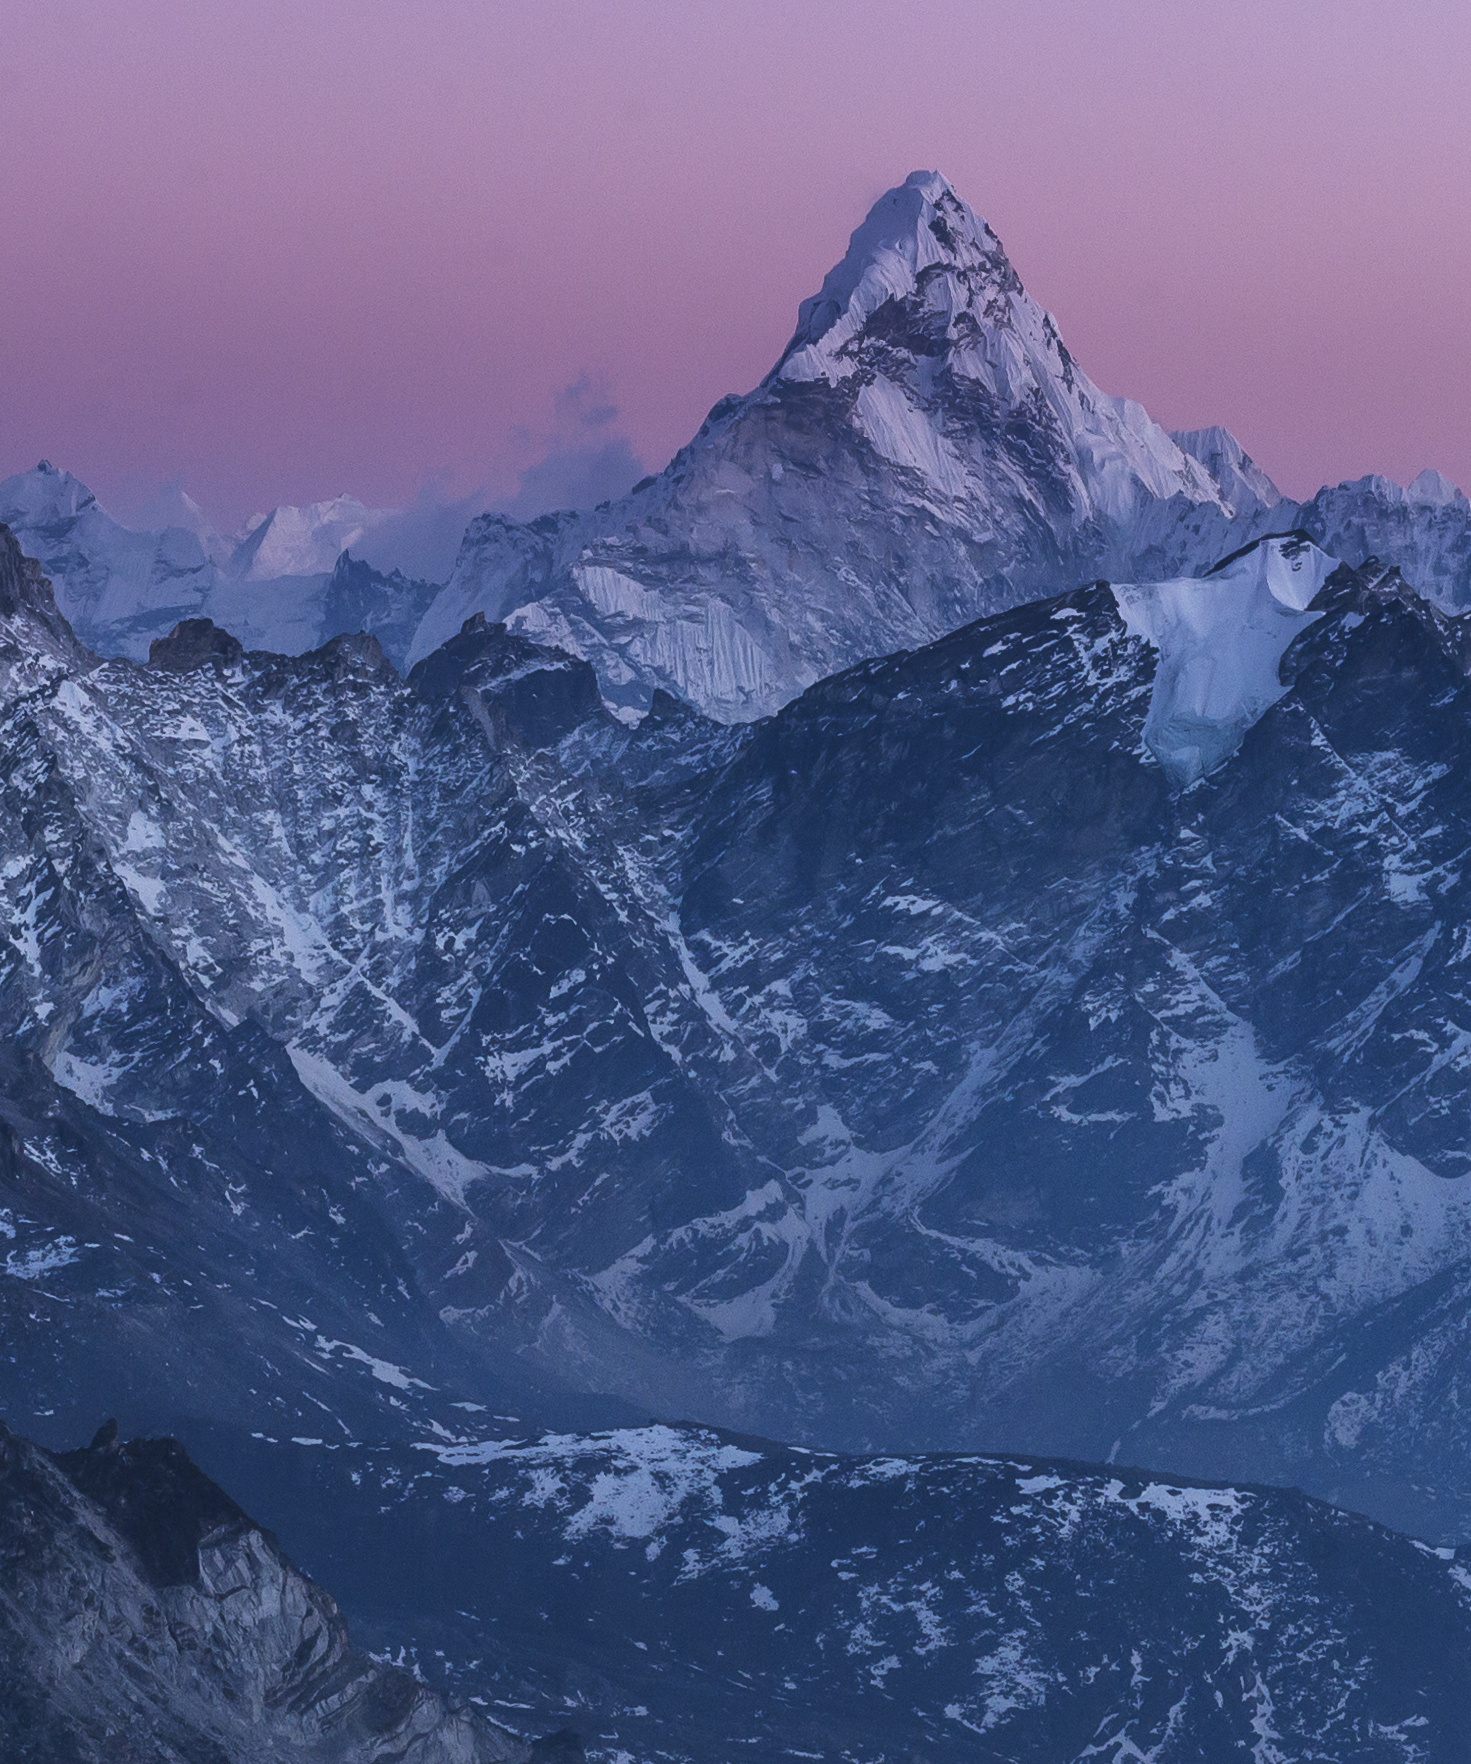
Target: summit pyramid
column 924, row 452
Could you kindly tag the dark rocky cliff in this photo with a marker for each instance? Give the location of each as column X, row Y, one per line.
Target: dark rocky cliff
column 144, row 1619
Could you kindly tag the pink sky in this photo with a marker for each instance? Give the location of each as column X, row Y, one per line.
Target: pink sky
column 284, row 248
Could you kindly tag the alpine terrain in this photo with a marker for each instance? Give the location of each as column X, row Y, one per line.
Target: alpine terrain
column 925, row 450
column 932, row 933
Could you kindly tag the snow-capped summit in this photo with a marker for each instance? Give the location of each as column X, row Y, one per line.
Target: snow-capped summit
column 925, row 451
column 44, row 494
column 962, row 304
column 306, row 541
column 174, row 507
column 1435, row 489
column 885, row 258
column 49, row 500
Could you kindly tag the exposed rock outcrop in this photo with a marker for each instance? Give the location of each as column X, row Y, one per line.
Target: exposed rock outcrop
column 145, row 1619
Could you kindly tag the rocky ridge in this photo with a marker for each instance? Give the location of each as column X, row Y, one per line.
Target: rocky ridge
column 681, row 1592
column 920, row 1067
column 146, row 1618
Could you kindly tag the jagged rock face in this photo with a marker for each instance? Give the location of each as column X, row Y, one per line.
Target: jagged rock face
column 387, row 606
column 191, row 644
column 1424, row 530
column 1111, row 1089
column 926, row 450
column 145, row 1618
column 921, row 1066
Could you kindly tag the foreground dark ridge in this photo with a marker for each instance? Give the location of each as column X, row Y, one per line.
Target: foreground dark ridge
column 688, row 1597
column 144, row 1619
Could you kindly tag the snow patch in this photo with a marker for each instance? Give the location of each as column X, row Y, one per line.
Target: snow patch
column 1221, row 639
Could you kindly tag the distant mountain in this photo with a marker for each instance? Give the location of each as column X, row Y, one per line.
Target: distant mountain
column 274, row 585
column 387, row 605
column 1423, row 530
column 302, row 541
column 924, row 451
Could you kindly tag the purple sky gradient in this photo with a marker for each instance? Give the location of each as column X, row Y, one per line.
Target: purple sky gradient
column 278, row 249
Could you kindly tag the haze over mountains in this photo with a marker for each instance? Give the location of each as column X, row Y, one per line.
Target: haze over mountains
column 1028, row 1020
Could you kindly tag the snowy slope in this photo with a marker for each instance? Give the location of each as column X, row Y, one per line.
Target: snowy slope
column 921, row 1066
column 925, row 450
column 1234, row 472
column 703, row 1597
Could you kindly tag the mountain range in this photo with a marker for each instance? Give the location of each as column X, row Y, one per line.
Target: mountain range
column 481, row 1104
column 926, row 450
column 276, row 582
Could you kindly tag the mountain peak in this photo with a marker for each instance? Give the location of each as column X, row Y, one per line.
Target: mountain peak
column 1435, row 488
column 1242, row 481
column 924, row 451
column 919, row 225
column 305, row 541
column 45, row 493
column 931, row 184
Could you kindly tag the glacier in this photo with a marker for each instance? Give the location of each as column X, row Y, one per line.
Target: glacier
column 1221, row 638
